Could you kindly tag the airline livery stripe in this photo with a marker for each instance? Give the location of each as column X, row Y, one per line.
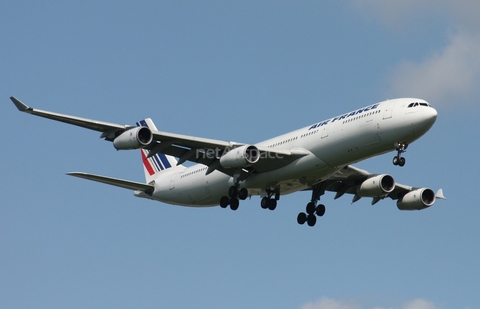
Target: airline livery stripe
column 142, row 123
column 147, row 164
column 158, row 163
column 164, row 160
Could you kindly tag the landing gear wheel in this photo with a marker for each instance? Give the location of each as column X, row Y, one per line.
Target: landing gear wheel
column 224, row 201
column 311, row 220
column 310, row 208
column 302, row 218
column 264, row 202
column 233, row 192
column 243, row 194
column 399, row 161
column 272, row 204
column 320, row 210
column 234, row 203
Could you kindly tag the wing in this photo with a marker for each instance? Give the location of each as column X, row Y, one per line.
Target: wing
column 105, row 127
column 208, row 151
column 361, row 183
column 187, row 148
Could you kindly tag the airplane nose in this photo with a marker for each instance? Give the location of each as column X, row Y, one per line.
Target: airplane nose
column 429, row 116
column 433, row 114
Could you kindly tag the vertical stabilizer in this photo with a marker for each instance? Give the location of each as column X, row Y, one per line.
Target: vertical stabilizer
column 159, row 162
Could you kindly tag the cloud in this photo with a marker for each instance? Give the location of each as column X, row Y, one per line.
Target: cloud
column 451, row 74
column 446, row 76
column 328, row 303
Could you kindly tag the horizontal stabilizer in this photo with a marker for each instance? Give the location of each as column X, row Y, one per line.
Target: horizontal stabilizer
column 126, row 184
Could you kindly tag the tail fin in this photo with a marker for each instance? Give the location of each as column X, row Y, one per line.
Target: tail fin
column 157, row 163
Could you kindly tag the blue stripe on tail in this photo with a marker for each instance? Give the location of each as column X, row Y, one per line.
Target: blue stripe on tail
column 164, row 160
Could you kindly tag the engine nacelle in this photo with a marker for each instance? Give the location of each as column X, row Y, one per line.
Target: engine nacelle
column 240, row 157
column 417, row 199
column 376, row 186
column 133, row 139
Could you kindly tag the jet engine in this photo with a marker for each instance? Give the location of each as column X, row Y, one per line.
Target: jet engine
column 135, row 138
column 376, row 186
column 240, row 157
column 417, row 199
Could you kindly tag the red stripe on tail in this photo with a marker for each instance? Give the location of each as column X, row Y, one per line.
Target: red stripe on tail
column 147, row 164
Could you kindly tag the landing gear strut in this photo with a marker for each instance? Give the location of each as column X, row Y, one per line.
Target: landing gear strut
column 313, row 210
column 398, row 159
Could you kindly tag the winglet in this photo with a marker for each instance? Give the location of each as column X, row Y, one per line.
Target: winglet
column 19, row 104
column 440, row 195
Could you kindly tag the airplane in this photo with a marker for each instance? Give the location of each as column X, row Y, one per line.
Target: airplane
column 316, row 158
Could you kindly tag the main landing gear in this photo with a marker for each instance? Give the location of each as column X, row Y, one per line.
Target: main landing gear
column 270, row 201
column 398, row 159
column 234, row 195
column 312, row 210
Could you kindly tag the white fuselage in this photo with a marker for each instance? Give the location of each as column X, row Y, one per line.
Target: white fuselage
column 330, row 145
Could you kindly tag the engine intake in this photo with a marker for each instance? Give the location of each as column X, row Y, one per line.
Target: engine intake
column 133, row 139
column 417, row 199
column 376, row 186
column 240, row 157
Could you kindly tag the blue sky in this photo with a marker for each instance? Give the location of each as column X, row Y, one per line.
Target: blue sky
column 236, row 71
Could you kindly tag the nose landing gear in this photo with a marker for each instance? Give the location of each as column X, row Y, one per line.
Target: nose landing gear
column 398, row 159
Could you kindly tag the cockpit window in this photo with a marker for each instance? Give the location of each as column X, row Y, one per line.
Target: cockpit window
column 415, row 104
